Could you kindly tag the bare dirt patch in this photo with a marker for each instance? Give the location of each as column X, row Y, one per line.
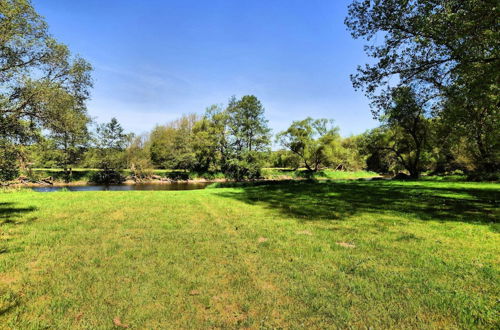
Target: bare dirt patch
column 117, row 322
column 346, row 245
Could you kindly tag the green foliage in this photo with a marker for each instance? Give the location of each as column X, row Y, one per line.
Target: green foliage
column 283, row 174
column 314, row 141
column 107, row 176
column 43, row 153
column 248, row 138
column 283, row 159
column 349, row 156
column 233, row 140
column 42, row 84
column 475, row 129
column 59, row 175
column 8, row 161
column 138, row 158
column 210, row 140
column 171, row 145
column 108, row 152
column 434, row 43
column 246, row 166
column 70, row 137
column 373, row 146
column 247, row 125
column 408, row 129
column 448, row 51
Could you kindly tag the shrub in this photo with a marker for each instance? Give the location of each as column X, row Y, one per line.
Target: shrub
column 107, row 177
column 8, row 163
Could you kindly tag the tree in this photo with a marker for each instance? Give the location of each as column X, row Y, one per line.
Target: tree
column 434, row 42
column 8, row 162
column 43, row 153
column 110, row 142
column 232, row 140
column 409, row 127
column 161, row 138
column 138, row 157
column 447, row 50
column 70, row 136
column 36, row 73
column 284, row 159
column 403, row 140
column 310, row 139
column 171, row 145
column 249, row 137
column 210, row 140
column 452, row 148
column 247, row 124
column 346, row 154
column 373, row 147
column 467, row 116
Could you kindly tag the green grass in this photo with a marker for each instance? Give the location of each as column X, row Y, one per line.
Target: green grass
column 283, row 255
column 281, row 173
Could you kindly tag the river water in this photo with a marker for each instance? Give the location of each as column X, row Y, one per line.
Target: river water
column 127, row 187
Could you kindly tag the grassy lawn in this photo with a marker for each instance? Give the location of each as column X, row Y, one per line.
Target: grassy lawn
column 289, row 255
column 280, row 173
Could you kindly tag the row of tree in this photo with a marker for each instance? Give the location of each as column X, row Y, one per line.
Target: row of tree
column 236, row 141
column 434, row 85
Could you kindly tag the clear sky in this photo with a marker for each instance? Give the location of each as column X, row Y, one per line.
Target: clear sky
column 157, row 59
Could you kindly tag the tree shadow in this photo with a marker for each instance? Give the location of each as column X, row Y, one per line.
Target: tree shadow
column 8, row 300
column 9, row 213
column 310, row 201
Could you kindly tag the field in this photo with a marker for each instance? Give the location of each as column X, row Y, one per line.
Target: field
column 343, row 254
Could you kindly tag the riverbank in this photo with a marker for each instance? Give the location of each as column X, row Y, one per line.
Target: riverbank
column 81, row 177
column 126, row 182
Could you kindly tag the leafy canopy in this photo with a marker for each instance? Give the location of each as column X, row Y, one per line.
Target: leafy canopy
column 313, row 140
column 38, row 77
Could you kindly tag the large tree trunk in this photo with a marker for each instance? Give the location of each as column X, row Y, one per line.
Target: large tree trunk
column 67, row 174
column 414, row 169
column 309, row 168
column 414, row 173
column 486, row 163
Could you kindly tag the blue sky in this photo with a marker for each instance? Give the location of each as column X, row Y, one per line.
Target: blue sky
column 157, row 59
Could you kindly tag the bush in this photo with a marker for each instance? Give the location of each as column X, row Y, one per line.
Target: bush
column 140, row 174
column 484, row 176
column 107, row 177
column 242, row 169
column 8, row 163
column 206, row 175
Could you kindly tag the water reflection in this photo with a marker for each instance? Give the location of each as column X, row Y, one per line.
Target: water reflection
column 127, row 187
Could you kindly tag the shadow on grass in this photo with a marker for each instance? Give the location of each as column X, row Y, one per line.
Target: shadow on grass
column 9, row 212
column 311, row 201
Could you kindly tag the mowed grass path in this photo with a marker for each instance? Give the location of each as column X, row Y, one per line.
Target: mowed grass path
column 292, row 255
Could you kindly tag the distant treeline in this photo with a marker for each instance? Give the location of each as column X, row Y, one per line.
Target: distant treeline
column 434, row 86
column 234, row 141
